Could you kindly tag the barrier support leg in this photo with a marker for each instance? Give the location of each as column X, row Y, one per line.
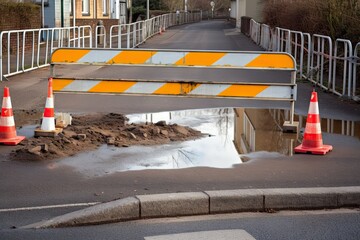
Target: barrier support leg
column 291, row 126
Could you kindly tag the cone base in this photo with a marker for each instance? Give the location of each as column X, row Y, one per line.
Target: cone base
column 12, row 141
column 43, row 133
column 316, row 151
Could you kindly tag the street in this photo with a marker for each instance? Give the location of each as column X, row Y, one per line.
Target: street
column 299, row 225
column 42, row 184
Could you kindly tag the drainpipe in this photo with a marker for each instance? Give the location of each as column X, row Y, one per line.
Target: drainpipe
column 147, row 10
column 237, row 14
column 95, row 7
column 42, row 14
column 62, row 13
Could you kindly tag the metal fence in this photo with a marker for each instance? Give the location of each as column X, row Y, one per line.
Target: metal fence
column 134, row 34
column 332, row 65
column 25, row 50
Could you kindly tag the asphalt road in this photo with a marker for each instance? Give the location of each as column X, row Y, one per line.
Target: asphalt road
column 29, row 184
column 333, row 224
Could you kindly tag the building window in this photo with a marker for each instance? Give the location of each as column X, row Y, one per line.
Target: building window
column 105, row 7
column 85, row 7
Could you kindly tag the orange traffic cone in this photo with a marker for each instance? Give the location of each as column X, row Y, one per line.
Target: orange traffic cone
column 312, row 141
column 48, row 122
column 7, row 124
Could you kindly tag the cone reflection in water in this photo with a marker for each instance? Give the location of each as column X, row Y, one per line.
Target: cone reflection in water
column 7, row 124
column 312, row 141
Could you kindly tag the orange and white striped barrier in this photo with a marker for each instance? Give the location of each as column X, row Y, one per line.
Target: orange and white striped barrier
column 195, row 89
column 279, row 83
column 7, row 124
column 218, row 59
column 47, row 128
column 312, row 141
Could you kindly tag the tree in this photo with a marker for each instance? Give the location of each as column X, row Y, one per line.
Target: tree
column 153, row 4
column 220, row 5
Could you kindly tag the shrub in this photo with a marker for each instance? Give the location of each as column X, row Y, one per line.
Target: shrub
column 334, row 18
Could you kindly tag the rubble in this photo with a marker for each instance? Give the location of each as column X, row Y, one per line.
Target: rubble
column 88, row 132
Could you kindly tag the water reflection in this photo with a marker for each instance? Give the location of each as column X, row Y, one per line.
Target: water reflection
column 260, row 130
column 27, row 131
column 234, row 136
column 215, row 150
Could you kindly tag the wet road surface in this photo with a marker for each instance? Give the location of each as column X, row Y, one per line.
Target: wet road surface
column 28, row 184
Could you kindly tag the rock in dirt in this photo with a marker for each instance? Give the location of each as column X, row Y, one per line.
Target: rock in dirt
column 132, row 135
column 35, row 150
column 81, row 136
column 181, row 129
column 160, row 124
column 164, row 132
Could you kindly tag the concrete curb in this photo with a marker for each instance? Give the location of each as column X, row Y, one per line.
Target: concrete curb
column 208, row 202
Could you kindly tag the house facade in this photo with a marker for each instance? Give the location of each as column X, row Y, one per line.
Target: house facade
column 249, row 8
column 67, row 13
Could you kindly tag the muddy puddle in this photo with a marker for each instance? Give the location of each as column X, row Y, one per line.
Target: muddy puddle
column 234, row 136
column 216, row 149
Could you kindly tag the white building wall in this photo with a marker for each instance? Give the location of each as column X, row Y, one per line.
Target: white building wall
column 254, row 10
column 66, row 13
column 233, row 9
column 249, row 8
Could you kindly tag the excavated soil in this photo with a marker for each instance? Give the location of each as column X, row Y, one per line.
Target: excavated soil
column 88, row 132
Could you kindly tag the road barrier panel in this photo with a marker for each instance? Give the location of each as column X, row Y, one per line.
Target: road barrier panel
column 256, row 62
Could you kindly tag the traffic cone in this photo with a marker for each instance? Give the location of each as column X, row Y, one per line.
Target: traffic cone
column 312, row 141
column 7, row 124
column 48, row 121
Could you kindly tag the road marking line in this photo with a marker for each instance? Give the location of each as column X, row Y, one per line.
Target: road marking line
column 209, row 235
column 49, row 207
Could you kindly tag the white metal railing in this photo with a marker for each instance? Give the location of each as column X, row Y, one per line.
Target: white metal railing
column 332, row 65
column 321, row 61
column 255, row 29
column 25, row 50
column 265, row 36
column 249, row 133
column 356, row 61
column 347, row 65
column 134, row 34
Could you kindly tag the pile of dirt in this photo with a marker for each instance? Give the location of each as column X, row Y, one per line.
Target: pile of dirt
column 88, row 132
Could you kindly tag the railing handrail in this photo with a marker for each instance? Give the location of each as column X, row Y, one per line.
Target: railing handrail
column 78, row 36
column 319, row 47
